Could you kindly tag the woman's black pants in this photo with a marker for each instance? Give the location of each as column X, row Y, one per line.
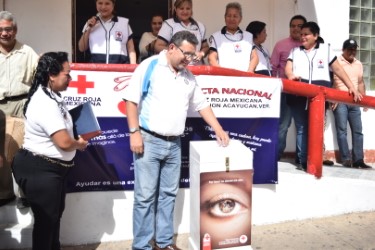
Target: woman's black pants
column 43, row 183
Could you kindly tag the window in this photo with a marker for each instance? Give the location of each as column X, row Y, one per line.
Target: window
column 362, row 29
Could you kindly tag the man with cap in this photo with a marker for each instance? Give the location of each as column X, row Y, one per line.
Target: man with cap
column 345, row 112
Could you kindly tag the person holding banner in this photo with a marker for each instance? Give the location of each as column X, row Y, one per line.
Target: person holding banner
column 156, row 119
column 231, row 47
column 311, row 63
column 41, row 166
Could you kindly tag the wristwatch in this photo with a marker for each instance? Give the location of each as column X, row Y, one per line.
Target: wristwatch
column 133, row 130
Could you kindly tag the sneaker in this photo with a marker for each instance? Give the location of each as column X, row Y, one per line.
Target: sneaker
column 6, row 201
column 328, row 163
column 170, row 247
column 347, row 163
column 361, row 164
column 22, row 203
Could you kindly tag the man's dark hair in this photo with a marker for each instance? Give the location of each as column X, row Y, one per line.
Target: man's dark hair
column 184, row 35
column 297, row 17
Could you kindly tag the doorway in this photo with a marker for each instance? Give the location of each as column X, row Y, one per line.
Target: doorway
column 138, row 12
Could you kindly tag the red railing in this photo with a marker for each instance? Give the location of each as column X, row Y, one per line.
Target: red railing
column 318, row 95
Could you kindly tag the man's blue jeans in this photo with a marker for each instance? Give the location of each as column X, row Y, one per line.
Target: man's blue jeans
column 301, row 121
column 157, row 177
column 284, row 124
column 344, row 113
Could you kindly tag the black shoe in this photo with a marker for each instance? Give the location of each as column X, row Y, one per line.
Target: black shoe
column 302, row 167
column 170, row 247
column 347, row 163
column 6, row 201
column 328, row 163
column 22, row 203
column 361, row 164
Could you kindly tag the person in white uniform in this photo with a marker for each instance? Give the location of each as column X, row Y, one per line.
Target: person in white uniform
column 109, row 37
column 232, row 47
column 258, row 30
column 183, row 20
column 311, row 63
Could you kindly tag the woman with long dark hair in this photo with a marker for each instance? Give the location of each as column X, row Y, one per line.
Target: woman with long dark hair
column 41, row 166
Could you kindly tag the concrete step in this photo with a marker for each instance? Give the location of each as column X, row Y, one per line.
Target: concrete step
column 15, row 227
column 9, row 214
column 92, row 217
column 15, row 236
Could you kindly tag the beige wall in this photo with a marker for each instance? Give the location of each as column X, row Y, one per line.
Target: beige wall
column 45, row 25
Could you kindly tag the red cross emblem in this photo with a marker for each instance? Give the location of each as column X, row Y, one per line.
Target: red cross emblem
column 81, row 84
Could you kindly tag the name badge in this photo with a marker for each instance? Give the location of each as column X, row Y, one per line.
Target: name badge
column 237, row 48
column 320, row 64
column 118, row 36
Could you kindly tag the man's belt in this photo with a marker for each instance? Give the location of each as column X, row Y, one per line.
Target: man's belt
column 14, row 98
column 163, row 137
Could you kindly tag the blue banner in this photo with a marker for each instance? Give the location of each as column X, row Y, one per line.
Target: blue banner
column 247, row 108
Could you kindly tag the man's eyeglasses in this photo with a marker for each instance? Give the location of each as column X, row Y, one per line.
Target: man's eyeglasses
column 6, row 29
column 188, row 55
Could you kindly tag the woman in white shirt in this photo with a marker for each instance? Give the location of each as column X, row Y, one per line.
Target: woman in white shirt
column 41, row 166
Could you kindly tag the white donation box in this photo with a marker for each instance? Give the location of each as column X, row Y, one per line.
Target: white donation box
column 221, row 180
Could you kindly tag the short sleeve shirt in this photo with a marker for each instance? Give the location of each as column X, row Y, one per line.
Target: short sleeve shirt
column 44, row 117
column 164, row 108
column 354, row 71
column 173, row 25
column 313, row 66
column 17, row 70
column 233, row 50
